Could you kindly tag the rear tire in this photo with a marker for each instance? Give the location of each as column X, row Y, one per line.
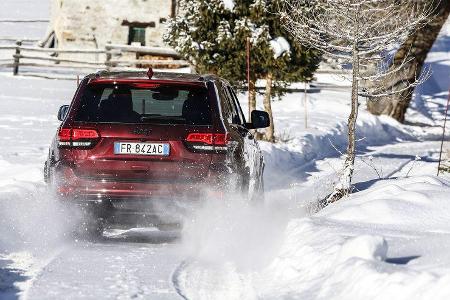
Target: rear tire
column 257, row 196
column 92, row 230
column 94, row 219
column 169, row 227
column 261, row 190
column 254, row 193
column 46, row 173
column 245, row 186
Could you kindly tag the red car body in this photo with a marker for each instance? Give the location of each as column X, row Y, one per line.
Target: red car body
column 203, row 147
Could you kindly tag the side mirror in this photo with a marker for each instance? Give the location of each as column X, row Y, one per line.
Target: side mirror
column 62, row 113
column 260, row 119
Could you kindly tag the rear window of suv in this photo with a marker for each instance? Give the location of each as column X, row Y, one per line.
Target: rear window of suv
column 144, row 103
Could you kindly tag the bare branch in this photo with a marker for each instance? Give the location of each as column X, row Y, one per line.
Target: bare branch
column 383, row 25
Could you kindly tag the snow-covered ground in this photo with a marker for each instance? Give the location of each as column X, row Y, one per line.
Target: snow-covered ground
column 389, row 240
column 11, row 10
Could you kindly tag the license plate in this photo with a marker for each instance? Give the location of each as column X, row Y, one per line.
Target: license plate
column 160, row 149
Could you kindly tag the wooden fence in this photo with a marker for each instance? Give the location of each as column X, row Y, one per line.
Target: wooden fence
column 112, row 57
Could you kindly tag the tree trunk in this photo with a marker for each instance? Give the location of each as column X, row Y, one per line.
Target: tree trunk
column 417, row 47
column 344, row 186
column 251, row 98
column 269, row 134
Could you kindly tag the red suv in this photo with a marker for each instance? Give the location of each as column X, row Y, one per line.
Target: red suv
column 145, row 143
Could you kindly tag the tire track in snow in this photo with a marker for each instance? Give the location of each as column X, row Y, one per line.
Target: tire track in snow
column 400, row 168
column 38, row 270
column 111, row 269
column 175, row 279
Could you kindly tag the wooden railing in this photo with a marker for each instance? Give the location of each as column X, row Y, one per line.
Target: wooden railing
column 111, row 57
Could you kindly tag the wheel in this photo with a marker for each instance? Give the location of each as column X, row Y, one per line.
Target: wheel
column 169, row 227
column 252, row 191
column 93, row 220
column 260, row 193
column 46, row 173
column 92, row 229
column 257, row 193
column 245, row 186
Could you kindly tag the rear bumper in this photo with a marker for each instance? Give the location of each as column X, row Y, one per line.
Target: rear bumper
column 132, row 211
column 72, row 188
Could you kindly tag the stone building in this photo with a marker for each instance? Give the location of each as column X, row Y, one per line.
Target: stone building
column 91, row 24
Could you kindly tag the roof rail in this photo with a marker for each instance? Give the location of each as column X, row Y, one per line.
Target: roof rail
column 101, row 73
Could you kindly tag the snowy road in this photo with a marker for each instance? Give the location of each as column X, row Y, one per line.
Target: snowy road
column 139, row 266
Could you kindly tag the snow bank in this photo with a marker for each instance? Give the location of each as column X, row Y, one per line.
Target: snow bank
column 354, row 268
column 34, row 227
column 304, row 150
column 365, row 247
column 30, row 219
column 375, row 245
column 422, row 203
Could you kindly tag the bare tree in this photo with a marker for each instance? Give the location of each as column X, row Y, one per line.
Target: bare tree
column 269, row 133
column 418, row 44
column 363, row 33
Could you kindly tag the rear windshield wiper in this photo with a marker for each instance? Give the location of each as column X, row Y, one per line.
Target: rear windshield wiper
column 157, row 117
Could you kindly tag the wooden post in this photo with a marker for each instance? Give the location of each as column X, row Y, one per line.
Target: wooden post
column 17, row 58
column 270, row 131
column 443, row 133
column 78, row 80
column 248, row 78
column 136, row 57
column 305, row 100
column 108, row 50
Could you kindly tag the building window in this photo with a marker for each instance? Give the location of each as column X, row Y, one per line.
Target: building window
column 136, row 35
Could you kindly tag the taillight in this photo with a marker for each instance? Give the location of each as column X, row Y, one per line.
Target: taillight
column 206, row 138
column 76, row 137
column 64, row 137
column 207, row 141
column 220, row 139
column 80, row 134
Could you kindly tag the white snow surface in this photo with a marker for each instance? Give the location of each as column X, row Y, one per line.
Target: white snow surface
column 389, row 240
column 11, row 10
column 280, row 46
column 229, row 4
